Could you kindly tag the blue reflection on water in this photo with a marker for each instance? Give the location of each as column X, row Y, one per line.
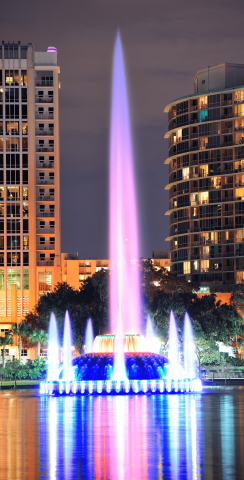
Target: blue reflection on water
column 227, row 437
column 136, row 437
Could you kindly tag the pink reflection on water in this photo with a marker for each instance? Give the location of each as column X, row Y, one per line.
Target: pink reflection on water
column 123, row 235
column 120, row 452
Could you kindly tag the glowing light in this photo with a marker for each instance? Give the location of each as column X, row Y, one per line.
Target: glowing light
column 90, row 387
column 53, row 350
column 99, row 386
column 68, row 371
column 52, row 50
column 83, row 386
column 108, row 386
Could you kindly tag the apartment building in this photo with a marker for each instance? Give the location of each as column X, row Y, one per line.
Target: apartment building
column 75, row 270
column 30, row 252
column 206, row 180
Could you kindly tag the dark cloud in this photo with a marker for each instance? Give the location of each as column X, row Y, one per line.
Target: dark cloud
column 165, row 44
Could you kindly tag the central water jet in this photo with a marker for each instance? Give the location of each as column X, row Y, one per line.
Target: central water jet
column 123, row 233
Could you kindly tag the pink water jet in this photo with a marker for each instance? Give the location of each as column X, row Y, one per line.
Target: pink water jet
column 125, row 298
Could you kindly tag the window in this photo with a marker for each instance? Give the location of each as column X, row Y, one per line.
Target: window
column 1, row 279
column 45, row 282
column 52, row 240
column 42, row 256
column 13, row 278
column 203, row 81
column 186, row 267
column 204, row 266
column 41, row 159
column 42, row 224
column 42, row 208
column 41, row 192
column 25, row 193
column 41, row 175
column 52, row 256
column 51, row 224
column 51, row 175
column 51, row 208
column 25, row 243
column 51, row 191
column 26, row 279
column 24, row 352
column 42, row 240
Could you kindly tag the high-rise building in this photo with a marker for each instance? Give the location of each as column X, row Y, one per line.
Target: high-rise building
column 206, row 180
column 30, row 253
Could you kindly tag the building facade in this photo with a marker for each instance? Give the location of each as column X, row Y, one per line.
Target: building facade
column 206, row 180
column 75, row 270
column 30, row 251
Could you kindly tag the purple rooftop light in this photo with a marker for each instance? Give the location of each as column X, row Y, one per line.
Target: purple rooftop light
column 52, row 50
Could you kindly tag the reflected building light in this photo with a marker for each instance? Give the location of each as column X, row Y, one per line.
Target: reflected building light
column 227, row 428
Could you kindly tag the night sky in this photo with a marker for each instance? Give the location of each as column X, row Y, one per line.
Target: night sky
column 165, row 43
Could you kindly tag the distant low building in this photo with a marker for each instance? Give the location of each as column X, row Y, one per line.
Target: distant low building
column 75, row 270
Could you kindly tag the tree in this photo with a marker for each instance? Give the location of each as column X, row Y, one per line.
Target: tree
column 20, row 329
column 40, row 337
column 4, row 341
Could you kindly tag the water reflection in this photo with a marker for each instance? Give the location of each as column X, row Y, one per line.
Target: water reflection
column 139, row 437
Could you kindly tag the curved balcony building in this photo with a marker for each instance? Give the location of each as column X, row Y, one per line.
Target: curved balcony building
column 206, row 180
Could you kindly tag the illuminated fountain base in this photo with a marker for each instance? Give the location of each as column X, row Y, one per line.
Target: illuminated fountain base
column 108, row 387
column 146, row 372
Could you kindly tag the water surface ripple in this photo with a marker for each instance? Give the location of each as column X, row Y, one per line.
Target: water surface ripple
column 132, row 437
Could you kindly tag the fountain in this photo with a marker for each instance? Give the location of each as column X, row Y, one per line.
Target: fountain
column 189, row 349
column 123, row 362
column 68, row 371
column 53, row 350
column 173, row 354
column 89, row 337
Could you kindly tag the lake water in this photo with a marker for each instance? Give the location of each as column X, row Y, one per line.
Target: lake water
column 131, row 437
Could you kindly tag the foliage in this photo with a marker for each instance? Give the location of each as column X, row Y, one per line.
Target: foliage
column 161, row 290
column 20, row 329
column 4, row 341
column 33, row 370
column 38, row 337
column 90, row 301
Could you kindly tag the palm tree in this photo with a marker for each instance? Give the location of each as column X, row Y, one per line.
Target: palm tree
column 4, row 341
column 21, row 329
column 39, row 337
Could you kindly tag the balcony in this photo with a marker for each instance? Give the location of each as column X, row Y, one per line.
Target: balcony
column 45, row 214
column 44, row 149
column 44, row 165
column 45, row 230
column 227, row 115
column 45, row 181
column 229, row 213
column 226, row 103
column 45, row 246
column 45, row 263
column 44, row 133
column 43, row 116
column 228, row 144
column 226, row 131
column 239, row 129
column 44, row 83
column 43, row 99
column 227, row 158
column 45, row 198
column 226, row 186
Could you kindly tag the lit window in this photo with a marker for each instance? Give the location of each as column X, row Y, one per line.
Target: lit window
column 186, row 267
